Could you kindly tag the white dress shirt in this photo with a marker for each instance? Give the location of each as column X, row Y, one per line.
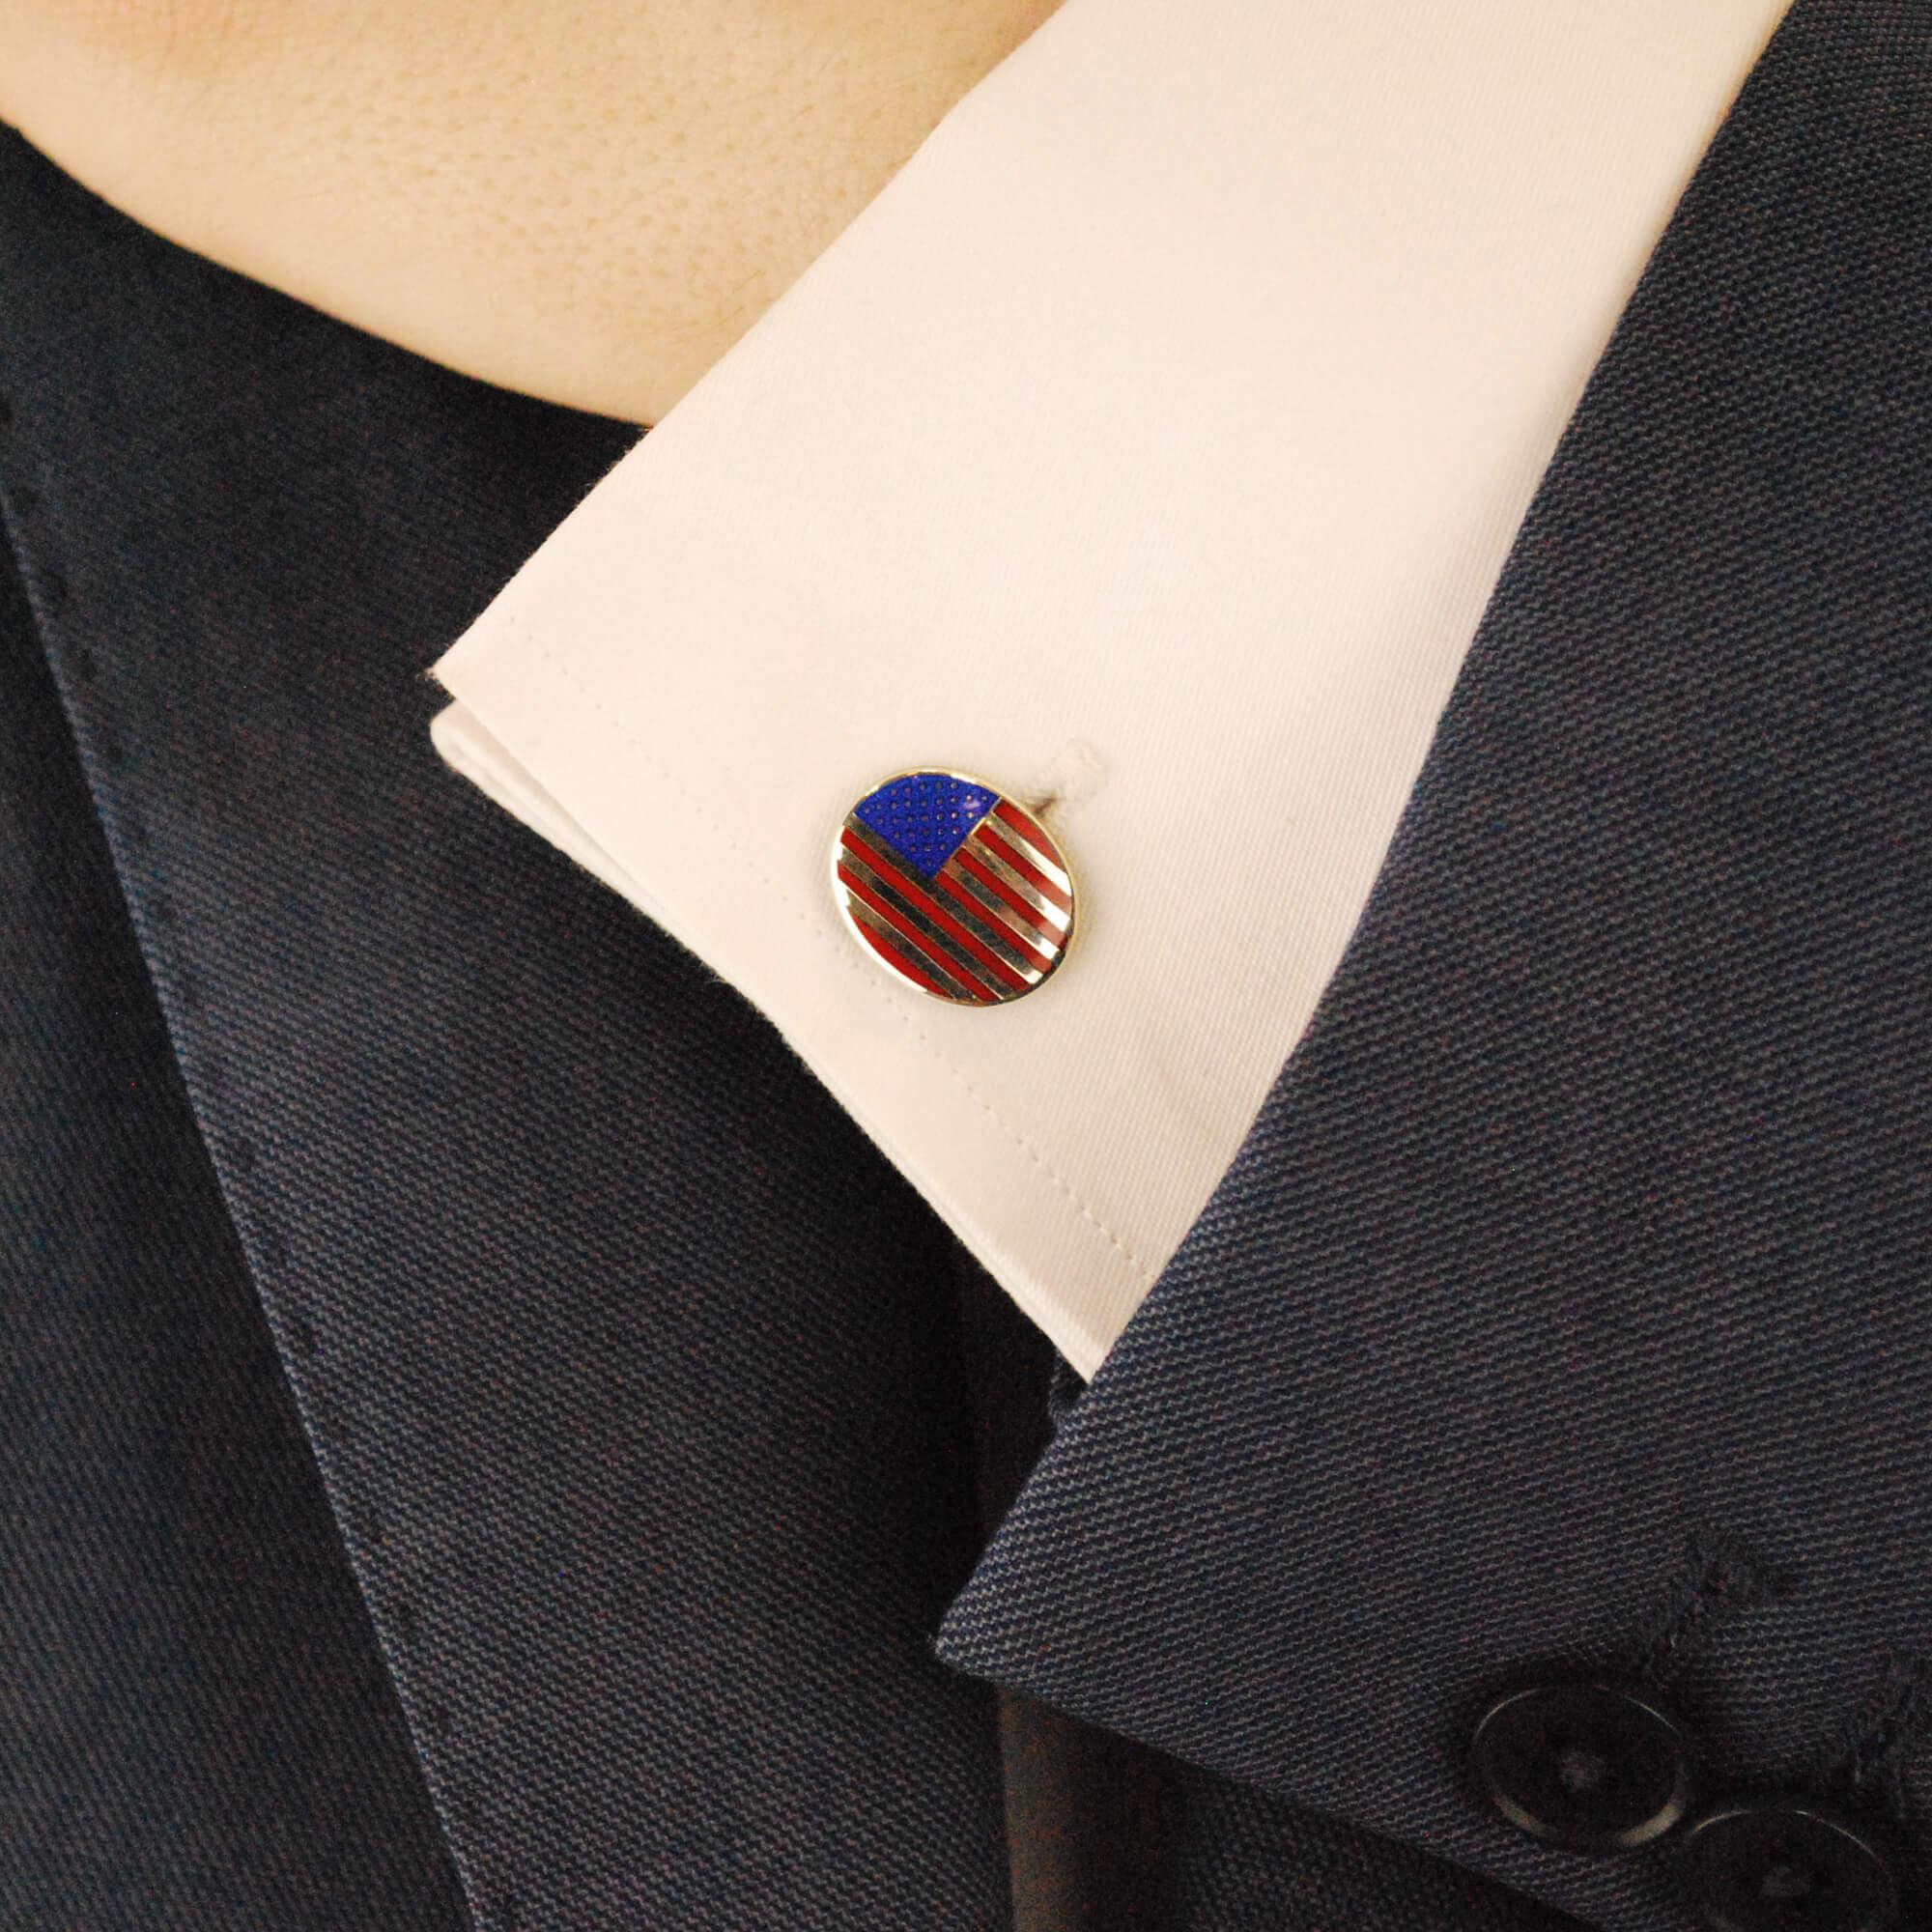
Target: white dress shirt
column 1149, row 448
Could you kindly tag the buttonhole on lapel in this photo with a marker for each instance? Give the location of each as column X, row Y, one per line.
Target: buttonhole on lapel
column 242, row 1154
column 308, row 1343
column 406, row 1618
column 51, row 585
column 1870, row 1755
column 1722, row 1577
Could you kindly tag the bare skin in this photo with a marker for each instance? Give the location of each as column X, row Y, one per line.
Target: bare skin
column 588, row 200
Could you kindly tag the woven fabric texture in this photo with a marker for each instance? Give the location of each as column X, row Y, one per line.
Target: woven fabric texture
column 1104, row 1831
column 197, row 1733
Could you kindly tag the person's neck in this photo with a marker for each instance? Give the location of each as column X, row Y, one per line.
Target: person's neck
column 804, row 123
column 591, row 204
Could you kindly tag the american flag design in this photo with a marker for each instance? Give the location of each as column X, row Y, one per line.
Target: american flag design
column 954, row 888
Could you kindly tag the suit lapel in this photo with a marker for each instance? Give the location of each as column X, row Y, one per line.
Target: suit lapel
column 629, row 1366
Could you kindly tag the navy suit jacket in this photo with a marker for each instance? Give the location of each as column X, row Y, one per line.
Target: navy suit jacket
column 488, row 1443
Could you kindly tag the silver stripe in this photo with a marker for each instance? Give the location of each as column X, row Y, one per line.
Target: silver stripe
column 998, row 939
column 999, row 913
column 862, row 914
column 876, row 848
column 1028, row 844
column 928, row 928
column 993, row 923
column 1034, row 897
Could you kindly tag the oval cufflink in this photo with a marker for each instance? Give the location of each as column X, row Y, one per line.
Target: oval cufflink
column 954, row 887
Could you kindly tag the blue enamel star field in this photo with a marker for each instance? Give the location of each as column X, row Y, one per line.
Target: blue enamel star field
column 925, row 817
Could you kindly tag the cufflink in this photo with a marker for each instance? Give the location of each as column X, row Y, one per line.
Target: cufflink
column 954, row 888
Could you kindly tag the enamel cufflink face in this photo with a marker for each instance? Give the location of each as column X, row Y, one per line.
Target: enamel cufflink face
column 954, row 888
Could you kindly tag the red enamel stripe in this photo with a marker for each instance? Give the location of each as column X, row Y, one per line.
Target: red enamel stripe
column 951, row 967
column 902, row 881
column 965, row 900
column 993, row 883
column 1024, row 867
column 1020, row 863
column 898, row 961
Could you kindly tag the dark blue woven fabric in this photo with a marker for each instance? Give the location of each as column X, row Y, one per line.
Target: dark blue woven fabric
column 196, row 1731
column 1568, row 1306
column 629, row 1365
column 1104, row 1832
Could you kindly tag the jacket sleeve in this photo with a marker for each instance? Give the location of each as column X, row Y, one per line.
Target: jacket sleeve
column 1563, row 1318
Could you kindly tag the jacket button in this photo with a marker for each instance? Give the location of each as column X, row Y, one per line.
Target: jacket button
column 1780, row 1866
column 1583, row 1766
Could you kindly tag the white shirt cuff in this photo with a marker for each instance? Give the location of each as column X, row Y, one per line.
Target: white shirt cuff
column 1149, row 448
